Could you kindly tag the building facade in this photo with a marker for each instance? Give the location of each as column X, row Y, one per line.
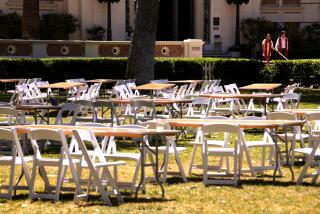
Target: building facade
column 210, row 20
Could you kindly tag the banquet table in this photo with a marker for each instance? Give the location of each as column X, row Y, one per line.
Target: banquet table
column 273, row 125
column 154, row 87
column 117, row 132
column 263, row 97
column 36, row 111
column 261, row 86
column 169, row 103
column 62, row 85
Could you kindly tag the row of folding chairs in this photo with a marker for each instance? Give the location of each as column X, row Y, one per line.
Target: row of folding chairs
column 240, row 147
column 76, row 158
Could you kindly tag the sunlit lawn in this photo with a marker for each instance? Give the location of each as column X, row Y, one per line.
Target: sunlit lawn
column 253, row 195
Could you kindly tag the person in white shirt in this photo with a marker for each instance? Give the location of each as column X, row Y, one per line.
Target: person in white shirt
column 267, row 46
column 282, row 44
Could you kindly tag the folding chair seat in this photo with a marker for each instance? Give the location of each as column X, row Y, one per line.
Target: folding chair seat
column 62, row 164
column 211, row 173
column 169, row 148
column 12, row 160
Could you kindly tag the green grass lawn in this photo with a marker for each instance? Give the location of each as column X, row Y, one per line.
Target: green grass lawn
column 254, row 194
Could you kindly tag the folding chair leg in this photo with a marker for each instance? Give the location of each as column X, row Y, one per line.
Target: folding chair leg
column 61, row 175
column 165, row 166
column 304, row 170
column 181, row 170
column 135, row 176
column 114, row 186
column 101, row 189
column 252, row 171
column 193, row 155
column 32, row 180
column 12, row 172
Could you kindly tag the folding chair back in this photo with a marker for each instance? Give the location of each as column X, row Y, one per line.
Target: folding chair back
column 16, row 157
column 221, row 152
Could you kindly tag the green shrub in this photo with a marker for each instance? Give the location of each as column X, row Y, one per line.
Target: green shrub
column 10, row 26
column 240, row 71
column 58, row 26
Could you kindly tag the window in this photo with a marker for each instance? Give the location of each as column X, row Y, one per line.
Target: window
column 216, row 21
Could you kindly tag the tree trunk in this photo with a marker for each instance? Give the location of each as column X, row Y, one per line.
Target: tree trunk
column 30, row 19
column 141, row 56
column 109, row 30
column 237, row 36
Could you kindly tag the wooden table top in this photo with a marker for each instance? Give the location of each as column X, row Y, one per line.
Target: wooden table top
column 186, row 81
column 241, row 96
column 242, row 123
column 63, row 85
column 261, row 86
column 99, row 131
column 155, row 101
column 101, row 81
column 9, row 80
column 300, row 111
column 154, row 86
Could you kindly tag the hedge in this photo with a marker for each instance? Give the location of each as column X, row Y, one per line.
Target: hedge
column 240, row 71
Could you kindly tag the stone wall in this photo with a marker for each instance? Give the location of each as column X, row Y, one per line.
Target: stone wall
column 77, row 48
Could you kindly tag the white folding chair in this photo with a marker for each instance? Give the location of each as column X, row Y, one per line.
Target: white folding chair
column 69, row 109
column 265, row 143
column 16, row 158
column 97, row 164
column 198, row 144
column 294, row 136
column 62, row 163
column 231, row 151
column 289, row 100
column 112, row 153
column 199, row 108
column 166, row 150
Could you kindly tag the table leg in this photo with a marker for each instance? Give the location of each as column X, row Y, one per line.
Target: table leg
column 277, row 152
column 142, row 170
column 143, row 164
column 265, row 106
column 288, row 159
column 157, row 168
column 35, row 117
